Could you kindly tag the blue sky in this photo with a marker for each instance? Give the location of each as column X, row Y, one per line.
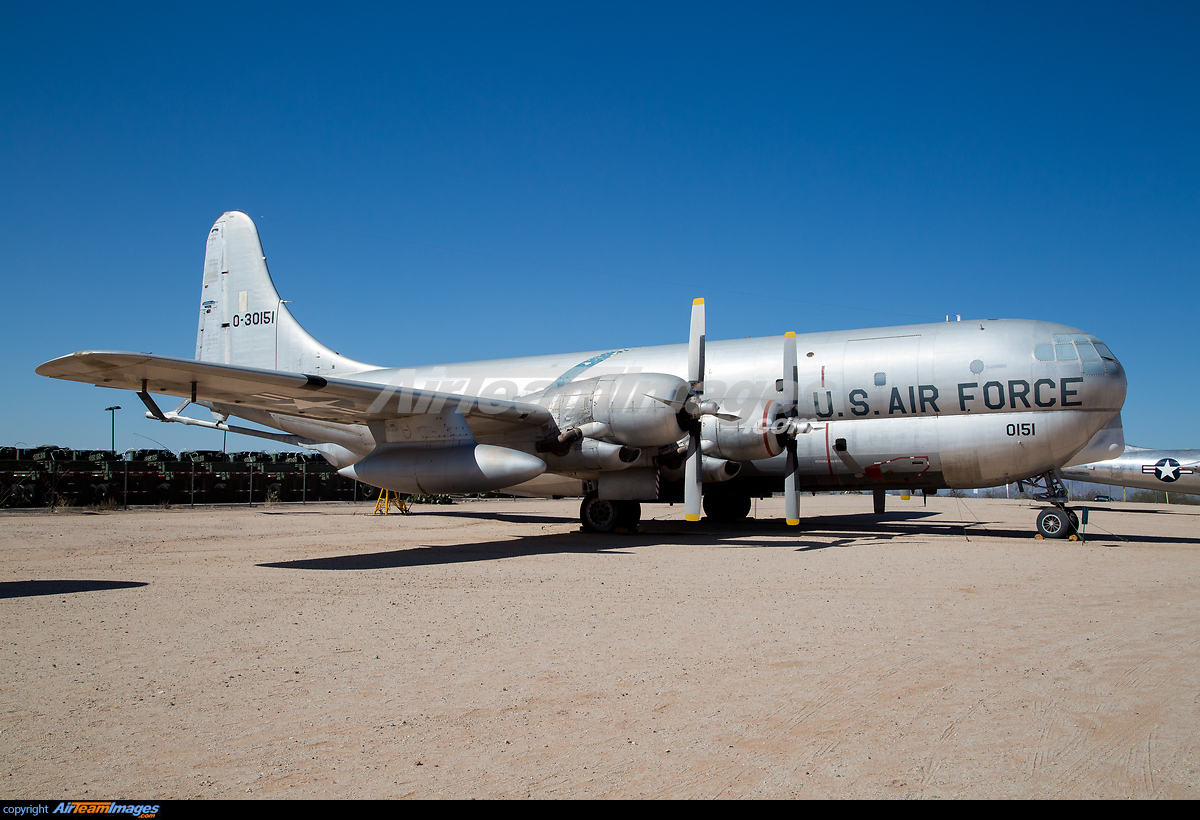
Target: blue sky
column 444, row 182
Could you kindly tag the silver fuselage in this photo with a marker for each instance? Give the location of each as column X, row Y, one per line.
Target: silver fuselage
column 960, row 404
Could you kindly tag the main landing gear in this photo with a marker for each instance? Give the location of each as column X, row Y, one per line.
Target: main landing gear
column 598, row 514
column 726, row 507
column 601, row 515
column 1060, row 521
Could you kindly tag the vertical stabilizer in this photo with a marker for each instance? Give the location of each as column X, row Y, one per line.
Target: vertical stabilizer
column 242, row 319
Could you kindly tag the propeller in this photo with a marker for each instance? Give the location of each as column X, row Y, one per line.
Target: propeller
column 693, row 476
column 695, row 405
column 791, row 391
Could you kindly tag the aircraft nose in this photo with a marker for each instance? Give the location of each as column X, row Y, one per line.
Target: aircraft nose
column 1119, row 384
column 1099, row 360
column 1096, row 363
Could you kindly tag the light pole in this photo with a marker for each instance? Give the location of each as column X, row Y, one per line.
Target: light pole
column 113, row 412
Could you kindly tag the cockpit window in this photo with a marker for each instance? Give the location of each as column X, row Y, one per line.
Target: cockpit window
column 1072, row 347
column 1111, row 366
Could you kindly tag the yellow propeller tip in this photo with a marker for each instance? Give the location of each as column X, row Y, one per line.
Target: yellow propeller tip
column 697, row 301
column 791, row 334
column 690, row 517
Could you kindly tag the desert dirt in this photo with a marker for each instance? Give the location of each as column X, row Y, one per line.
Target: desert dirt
column 490, row 649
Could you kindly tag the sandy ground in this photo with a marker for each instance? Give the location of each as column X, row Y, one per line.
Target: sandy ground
column 489, row 649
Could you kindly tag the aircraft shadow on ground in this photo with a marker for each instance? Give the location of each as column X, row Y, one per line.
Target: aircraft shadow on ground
column 294, row 512
column 547, row 544
column 1136, row 511
column 29, row 589
column 840, row 530
column 509, row 518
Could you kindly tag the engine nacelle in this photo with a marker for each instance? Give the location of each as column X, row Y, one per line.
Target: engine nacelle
column 593, row 455
column 468, row 468
column 712, row 470
column 627, row 405
column 755, row 437
column 715, row 470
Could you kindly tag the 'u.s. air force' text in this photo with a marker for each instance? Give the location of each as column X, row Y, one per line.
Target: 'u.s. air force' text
column 1015, row 394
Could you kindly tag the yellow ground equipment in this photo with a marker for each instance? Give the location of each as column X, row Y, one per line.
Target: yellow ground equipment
column 387, row 500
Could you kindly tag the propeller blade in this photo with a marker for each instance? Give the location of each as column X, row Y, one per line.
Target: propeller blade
column 799, row 428
column 791, row 392
column 791, row 486
column 791, row 377
column 708, row 407
column 693, row 476
column 696, row 348
column 674, row 405
column 695, row 409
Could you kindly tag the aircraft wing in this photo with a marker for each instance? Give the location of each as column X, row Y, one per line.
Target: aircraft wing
column 339, row 400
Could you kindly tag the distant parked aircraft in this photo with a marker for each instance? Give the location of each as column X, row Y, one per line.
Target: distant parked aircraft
column 1175, row 471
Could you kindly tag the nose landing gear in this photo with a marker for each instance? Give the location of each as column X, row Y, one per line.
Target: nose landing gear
column 1060, row 521
column 1057, row 523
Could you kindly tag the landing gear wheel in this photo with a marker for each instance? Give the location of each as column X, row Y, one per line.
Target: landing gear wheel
column 1056, row 523
column 597, row 514
column 629, row 514
column 726, row 507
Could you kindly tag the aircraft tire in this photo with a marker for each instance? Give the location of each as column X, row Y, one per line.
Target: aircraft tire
column 629, row 514
column 597, row 514
column 1054, row 523
column 1071, row 514
column 726, row 507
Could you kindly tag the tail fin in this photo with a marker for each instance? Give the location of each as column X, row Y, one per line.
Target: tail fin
column 242, row 319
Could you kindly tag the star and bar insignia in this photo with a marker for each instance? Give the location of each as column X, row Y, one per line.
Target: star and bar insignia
column 1167, row 469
